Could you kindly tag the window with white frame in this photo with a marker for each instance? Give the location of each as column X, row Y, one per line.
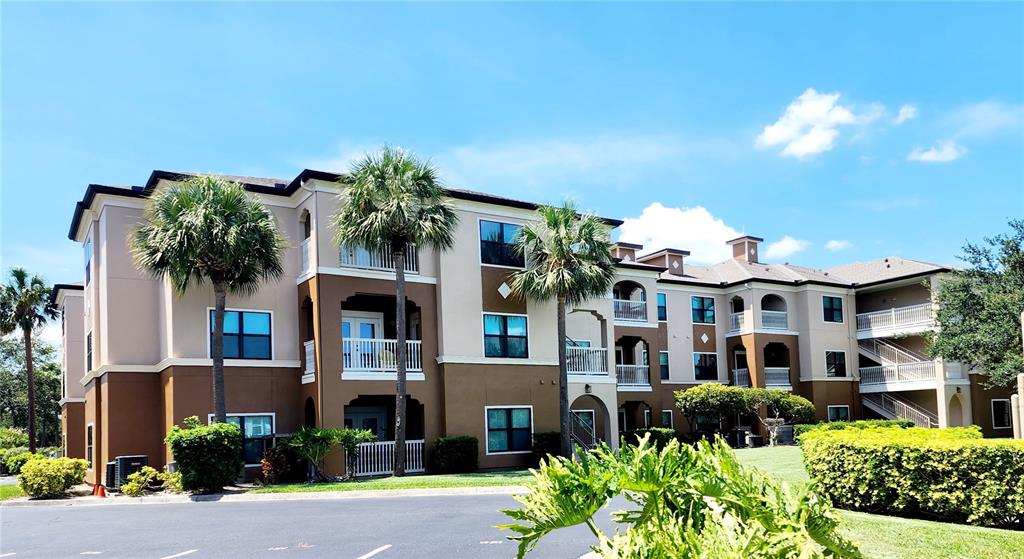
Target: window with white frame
column 257, row 434
column 505, row 336
column 88, row 262
column 497, row 244
column 703, row 309
column 88, row 352
column 666, row 418
column 663, row 364
column 647, row 418
column 509, row 429
column 247, row 334
column 662, row 307
column 1001, row 417
column 705, row 366
column 839, row 413
column 833, row 308
column 89, row 444
column 835, row 364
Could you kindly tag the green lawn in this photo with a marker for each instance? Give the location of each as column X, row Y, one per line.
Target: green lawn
column 9, row 492
column 410, row 482
column 887, row 537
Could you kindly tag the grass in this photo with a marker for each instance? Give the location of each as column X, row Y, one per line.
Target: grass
column 490, row 479
column 888, row 537
column 9, row 492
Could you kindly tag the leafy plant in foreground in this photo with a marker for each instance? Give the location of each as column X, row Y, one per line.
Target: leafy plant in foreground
column 686, row 502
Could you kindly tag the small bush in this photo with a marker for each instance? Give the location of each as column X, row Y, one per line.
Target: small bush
column 456, row 455
column 282, row 464
column 545, row 443
column 172, row 482
column 12, row 437
column 659, row 436
column 146, row 479
column 51, row 478
column 208, row 456
column 16, row 462
column 5, row 454
column 942, row 474
column 799, row 430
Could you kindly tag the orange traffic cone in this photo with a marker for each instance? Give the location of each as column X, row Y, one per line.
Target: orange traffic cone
column 99, row 491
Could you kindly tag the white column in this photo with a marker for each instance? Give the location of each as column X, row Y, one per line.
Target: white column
column 1015, row 415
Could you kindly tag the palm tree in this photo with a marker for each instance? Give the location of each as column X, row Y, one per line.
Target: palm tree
column 25, row 305
column 392, row 200
column 568, row 258
column 209, row 229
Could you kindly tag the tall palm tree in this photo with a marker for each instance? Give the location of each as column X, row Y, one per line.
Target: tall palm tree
column 209, row 229
column 25, row 305
column 389, row 201
column 568, row 258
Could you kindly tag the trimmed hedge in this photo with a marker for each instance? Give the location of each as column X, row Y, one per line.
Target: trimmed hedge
column 208, row 456
column 51, row 477
column 942, row 474
column 456, row 455
column 860, row 424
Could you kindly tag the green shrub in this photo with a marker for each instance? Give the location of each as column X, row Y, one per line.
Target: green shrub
column 11, row 437
column 146, row 479
column 942, row 474
column 546, row 443
column 711, row 401
column 53, row 477
column 5, row 454
column 314, row 444
column 860, row 424
column 660, row 436
column 16, row 462
column 172, row 482
column 208, row 456
column 282, row 464
column 455, row 455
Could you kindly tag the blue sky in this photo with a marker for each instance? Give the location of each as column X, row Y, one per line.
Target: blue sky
column 886, row 129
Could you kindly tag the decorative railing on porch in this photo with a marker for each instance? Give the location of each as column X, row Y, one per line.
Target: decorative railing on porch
column 906, row 372
column 774, row 320
column 635, row 311
column 742, row 377
column 352, row 257
column 310, row 355
column 586, row 360
column 366, row 354
column 896, row 318
column 776, row 377
column 304, row 251
column 377, row 459
column 737, row 321
column 892, row 406
column 582, row 432
column 633, row 375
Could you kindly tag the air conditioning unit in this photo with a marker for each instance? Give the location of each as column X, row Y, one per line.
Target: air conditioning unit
column 110, row 475
column 125, row 465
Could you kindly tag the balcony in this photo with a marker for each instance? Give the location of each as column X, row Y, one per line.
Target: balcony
column 353, row 257
column 378, row 355
column 774, row 320
column 633, row 376
column 894, row 321
column 309, row 351
column 737, row 321
column 741, row 377
column 586, row 360
column 304, row 264
column 630, row 311
column 777, row 377
column 922, row 371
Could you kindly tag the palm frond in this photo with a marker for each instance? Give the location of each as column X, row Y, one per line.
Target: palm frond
column 25, row 302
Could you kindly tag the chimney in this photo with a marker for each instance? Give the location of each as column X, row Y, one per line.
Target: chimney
column 669, row 258
column 745, row 248
column 625, row 251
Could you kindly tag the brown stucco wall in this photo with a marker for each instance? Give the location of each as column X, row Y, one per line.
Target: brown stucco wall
column 72, row 424
column 93, row 415
column 132, row 417
column 754, row 345
column 825, row 393
column 469, row 388
column 981, row 406
column 490, row 280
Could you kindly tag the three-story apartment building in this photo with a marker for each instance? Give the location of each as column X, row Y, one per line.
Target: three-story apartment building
column 317, row 347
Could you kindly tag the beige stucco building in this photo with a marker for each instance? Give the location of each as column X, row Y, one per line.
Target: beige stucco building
column 317, row 346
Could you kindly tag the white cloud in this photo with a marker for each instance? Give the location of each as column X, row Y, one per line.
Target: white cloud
column 986, row 118
column 837, row 245
column 811, row 124
column 907, row 112
column 944, row 152
column 785, row 247
column 693, row 229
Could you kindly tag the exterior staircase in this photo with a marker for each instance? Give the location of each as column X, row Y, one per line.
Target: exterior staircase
column 893, row 406
column 896, row 364
column 581, row 431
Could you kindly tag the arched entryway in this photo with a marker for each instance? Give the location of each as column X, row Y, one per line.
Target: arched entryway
column 376, row 412
column 955, row 411
column 629, row 301
column 591, row 412
column 776, row 365
column 632, row 361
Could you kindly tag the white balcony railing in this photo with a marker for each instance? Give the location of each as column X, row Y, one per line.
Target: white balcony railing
column 893, row 406
column 742, row 377
column 774, row 320
column 377, row 459
column 310, row 354
column 304, row 265
column 737, row 321
column 352, row 257
column 904, row 372
column 914, row 316
column 365, row 354
column 635, row 311
column 586, row 360
column 633, row 375
column 776, row 376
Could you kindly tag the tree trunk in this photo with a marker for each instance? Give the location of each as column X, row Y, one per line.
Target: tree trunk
column 563, row 383
column 398, row 253
column 31, row 378
column 217, row 352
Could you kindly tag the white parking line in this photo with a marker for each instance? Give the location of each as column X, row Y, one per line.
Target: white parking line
column 8, row 554
column 90, row 553
column 374, row 552
column 182, row 554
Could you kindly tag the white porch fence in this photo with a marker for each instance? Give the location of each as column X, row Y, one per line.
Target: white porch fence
column 742, row 377
column 310, row 354
column 892, row 407
column 377, row 459
column 587, row 360
column 737, row 321
column 353, row 257
column 774, row 320
column 635, row 311
column 896, row 318
column 304, row 251
column 776, row 376
column 633, row 375
column 366, row 354
column 906, row 372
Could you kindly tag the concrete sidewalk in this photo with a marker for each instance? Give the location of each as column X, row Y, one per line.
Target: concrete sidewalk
column 242, row 497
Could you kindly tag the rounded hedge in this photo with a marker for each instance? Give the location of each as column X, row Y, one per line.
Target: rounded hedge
column 51, row 477
column 456, row 454
column 208, row 456
column 941, row 474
